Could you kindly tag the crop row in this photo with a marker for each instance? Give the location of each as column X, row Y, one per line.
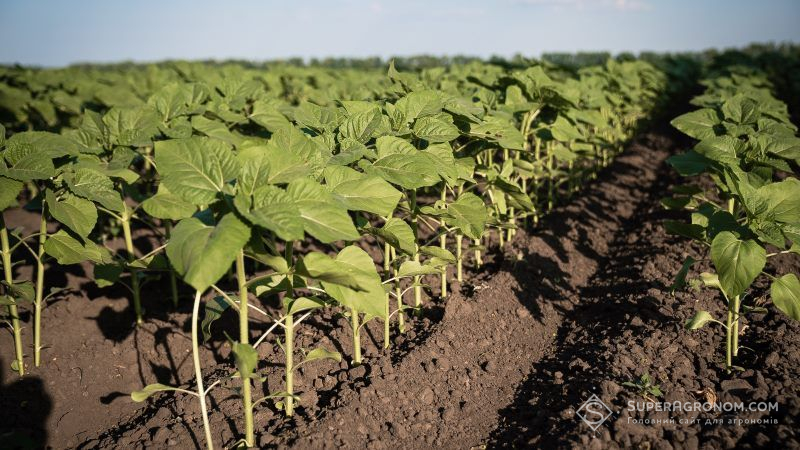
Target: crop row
column 749, row 148
column 230, row 168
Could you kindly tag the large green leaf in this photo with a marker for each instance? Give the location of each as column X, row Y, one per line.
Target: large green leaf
column 133, row 127
column 195, row 169
column 783, row 200
column 786, row 295
column 93, row 185
column 78, row 214
column 68, row 250
column 469, row 214
column 740, row 109
column 272, row 208
column 371, row 298
column 166, row 205
column 322, row 216
column 398, row 234
column 322, row 267
column 738, row 262
column 215, row 129
column 361, row 126
column 689, row 163
column 202, row 254
column 435, row 130
column 367, row 193
column 410, row 171
column 698, row 124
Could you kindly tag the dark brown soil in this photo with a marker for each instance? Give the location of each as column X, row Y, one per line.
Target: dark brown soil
column 578, row 306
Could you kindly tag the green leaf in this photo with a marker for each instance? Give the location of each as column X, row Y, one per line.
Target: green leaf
column 738, row 262
column 254, row 162
column 22, row 291
column 322, row 216
column 398, row 234
column 415, row 268
column 150, row 389
column 390, row 145
column 783, row 200
column 368, row 193
column 202, row 254
column 786, row 295
column 438, row 252
column 435, row 130
column 420, row 104
column 213, row 311
column 322, row 267
column 698, row 124
column 9, row 191
column 723, row 149
column 410, row 171
column 246, row 358
column 215, row 129
column 689, row 163
column 564, row 131
column 469, row 214
column 698, row 320
column 321, row 353
column 680, row 278
column 195, row 169
column 740, row 109
column 166, row 205
column 106, row 274
column 361, row 126
column 274, row 209
column 302, row 304
column 68, row 250
column 134, row 127
column 93, row 185
column 371, row 298
column 79, row 215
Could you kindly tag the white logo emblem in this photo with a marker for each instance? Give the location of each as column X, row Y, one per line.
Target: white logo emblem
column 594, row 412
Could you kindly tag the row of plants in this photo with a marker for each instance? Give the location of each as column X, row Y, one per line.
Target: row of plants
column 749, row 212
column 229, row 174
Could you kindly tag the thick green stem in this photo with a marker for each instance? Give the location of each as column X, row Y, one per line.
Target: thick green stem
column 412, row 200
column 443, row 244
column 244, row 338
column 401, row 318
column 735, row 334
column 289, row 350
column 37, row 303
column 387, row 264
column 173, row 279
column 137, row 299
column 12, row 309
column 198, row 375
column 729, row 339
column 356, row 337
column 386, row 331
column 459, row 257
column 478, row 259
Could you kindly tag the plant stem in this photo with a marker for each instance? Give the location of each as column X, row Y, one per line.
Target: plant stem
column 459, row 257
column 729, row 339
column 412, row 200
column 401, row 318
column 289, row 350
column 173, row 279
column 244, row 338
column 289, row 337
column 126, row 230
column 356, row 337
column 12, row 309
column 735, row 342
column 201, row 395
column 443, row 243
column 478, row 259
column 386, row 331
column 37, row 304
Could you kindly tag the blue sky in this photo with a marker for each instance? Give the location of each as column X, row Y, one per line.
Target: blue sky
column 55, row 33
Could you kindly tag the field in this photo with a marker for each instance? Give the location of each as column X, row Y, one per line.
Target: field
column 422, row 253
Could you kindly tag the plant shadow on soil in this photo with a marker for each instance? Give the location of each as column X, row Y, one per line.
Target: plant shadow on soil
column 25, row 406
